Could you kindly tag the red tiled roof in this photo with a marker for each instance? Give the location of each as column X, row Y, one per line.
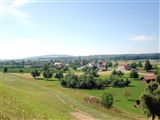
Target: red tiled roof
column 149, row 77
column 122, row 64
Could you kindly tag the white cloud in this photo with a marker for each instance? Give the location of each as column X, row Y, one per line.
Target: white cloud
column 142, row 38
column 19, row 3
column 11, row 11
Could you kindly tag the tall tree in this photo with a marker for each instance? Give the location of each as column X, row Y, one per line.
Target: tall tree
column 5, row 69
column 151, row 100
column 133, row 65
column 35, row 73
column 147, row 66
column 59, row 75
column 48, row 74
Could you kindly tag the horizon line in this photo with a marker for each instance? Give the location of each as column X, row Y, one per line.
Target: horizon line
column 78, row 55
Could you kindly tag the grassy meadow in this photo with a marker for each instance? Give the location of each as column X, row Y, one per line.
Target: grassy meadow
column 23, row 97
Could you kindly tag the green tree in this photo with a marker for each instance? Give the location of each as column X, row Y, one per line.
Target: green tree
column 70, row 80
column 147, row 66
column 114, row 72
column 133, row 65
column 35, row 73
column 158, row 78
column 139, row 64
column 21, row 71
column 110, row 64
column 46, row 67
column 119, row 72
column 134, row 74
column 59, row 75
column 5, row 69
column 106, row 67
column 107, row 100
column 48, row 74
column 91, row 71
column 150, row 100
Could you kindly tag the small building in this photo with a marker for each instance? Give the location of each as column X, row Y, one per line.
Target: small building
column 124, row 66
column 92, row 65
column 58, row 65
column 148, row 79
column 101, row 66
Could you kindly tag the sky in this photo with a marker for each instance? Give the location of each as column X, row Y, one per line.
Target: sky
column 76, row 27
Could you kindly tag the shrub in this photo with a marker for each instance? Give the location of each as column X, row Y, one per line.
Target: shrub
column 107, row 100
column 21, row 71
column 115, row 81
column 134, row 74
column 86, row 81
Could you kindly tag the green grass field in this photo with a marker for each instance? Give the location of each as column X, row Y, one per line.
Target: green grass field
column 23, row 97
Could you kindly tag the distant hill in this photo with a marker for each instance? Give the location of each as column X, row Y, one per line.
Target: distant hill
column 49, row 56
column 109, row 57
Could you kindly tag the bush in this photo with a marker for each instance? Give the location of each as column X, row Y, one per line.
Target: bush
column 115, row 81
column 21, row 71
column 86, row 81
column 59, row 75
column 118, row 72
column 134, row 74
column 107, row 100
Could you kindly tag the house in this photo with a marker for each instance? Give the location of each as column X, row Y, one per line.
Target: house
column 58, row 65
column 124, row 66
column 92, row 65
column 82, row 67
column 102, row 66
column 148, row 79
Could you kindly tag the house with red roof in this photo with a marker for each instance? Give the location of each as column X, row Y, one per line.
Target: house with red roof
column 148, row 79
column 124, row 66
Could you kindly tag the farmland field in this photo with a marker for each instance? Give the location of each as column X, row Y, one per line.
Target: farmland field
column 24, row 97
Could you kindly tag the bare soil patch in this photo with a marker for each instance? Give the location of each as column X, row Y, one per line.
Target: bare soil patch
column 82, row 116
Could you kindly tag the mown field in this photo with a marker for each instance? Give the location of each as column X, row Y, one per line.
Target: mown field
column 23, row 97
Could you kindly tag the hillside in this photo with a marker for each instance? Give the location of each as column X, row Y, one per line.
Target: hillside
column 23, row 97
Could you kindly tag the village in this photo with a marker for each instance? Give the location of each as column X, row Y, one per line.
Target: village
column 101, row 66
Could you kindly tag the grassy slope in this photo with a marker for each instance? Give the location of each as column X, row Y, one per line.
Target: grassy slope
column 24, row 97
column 120, row 102
column 21, row 99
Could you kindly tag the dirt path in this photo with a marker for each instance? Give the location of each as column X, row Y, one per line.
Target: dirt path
column 79, row 115
column 59, row 98
column 145, row 74
column 82, row 116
